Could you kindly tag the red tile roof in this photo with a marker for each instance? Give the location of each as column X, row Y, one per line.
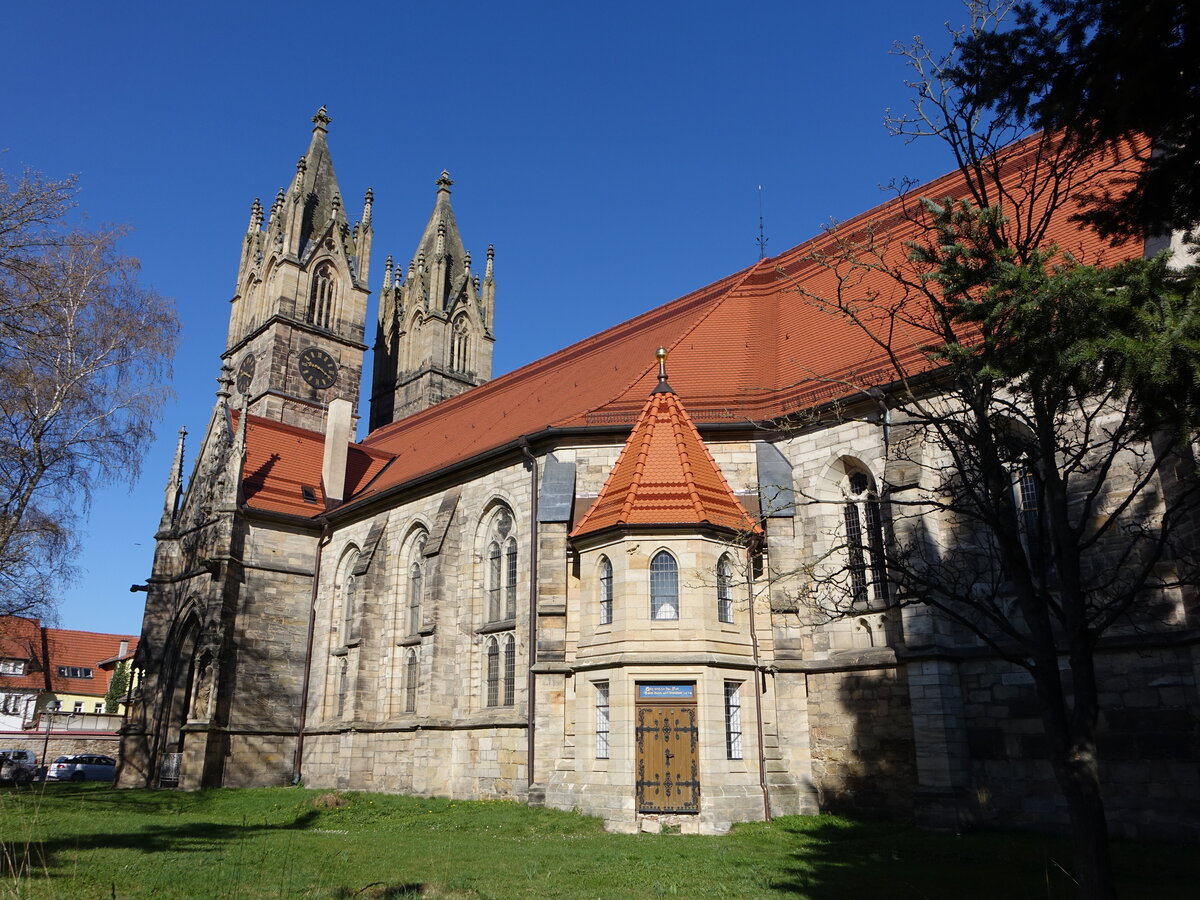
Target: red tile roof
column 748, row 347
column 665, row 476
column 83, row 650
column 21, row 639
column 281, row 459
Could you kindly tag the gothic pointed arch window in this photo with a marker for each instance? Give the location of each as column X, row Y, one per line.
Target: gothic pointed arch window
column 491, row 676
column 501, row 567
column 862, row 516
column 460, row 344
column 321, row 297
column 416, row 583
column 606, row 591
column 347, row 599
column 724, row 589
column 664, row 586
column 510, row 669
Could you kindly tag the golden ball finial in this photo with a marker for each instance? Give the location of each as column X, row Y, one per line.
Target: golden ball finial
column 660, row 354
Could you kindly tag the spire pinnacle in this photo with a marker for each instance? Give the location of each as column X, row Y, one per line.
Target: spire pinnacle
column 368, row 202
column 444, row 182
column 662, row 388
column 491, row 255
column 321, row 120
column 256, row 215
column 387, row 273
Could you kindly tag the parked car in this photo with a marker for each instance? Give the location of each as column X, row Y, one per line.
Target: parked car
column 82, row 767
column 17, row 766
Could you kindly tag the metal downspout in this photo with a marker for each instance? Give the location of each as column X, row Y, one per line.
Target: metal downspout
column 759, row 675
column 531, row 678
column 297, row 762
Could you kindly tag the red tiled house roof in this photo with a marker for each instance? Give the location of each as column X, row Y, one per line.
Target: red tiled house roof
column 665, row 476
column 21, row 639
column 83, row 650
column 748, row 347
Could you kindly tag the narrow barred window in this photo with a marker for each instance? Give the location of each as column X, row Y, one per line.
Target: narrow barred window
column 411, row 674
column 733, row 720
column 602, row 720
column 510, row 670
column 606, row 591
column 493, row 582
column 724, row 590
column 664, row 586
column 510, row 579
column 493, row 672
column 416, row 584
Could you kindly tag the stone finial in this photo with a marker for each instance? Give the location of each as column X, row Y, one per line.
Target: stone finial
column 387, row 273
column 368, row 202
column 302, row 164
column 256, row 215
column 225, row 381
column 336, row 202
column 321, row 120
column 444, row 182
column 412, row 267
column 467, row 263
column 440, row 248
column 421, row 261
column 491, row 255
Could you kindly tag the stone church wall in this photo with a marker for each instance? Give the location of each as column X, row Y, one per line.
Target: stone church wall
column 1148, row 739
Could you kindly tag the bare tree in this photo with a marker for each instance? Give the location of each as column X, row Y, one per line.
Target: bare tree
column 1038, row 415
column 84, row 354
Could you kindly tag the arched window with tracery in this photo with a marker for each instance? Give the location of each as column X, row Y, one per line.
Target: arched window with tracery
column 724, row 589
column 347, row 597
column 664, row 586
column 460, row 344
column 500, row 575
column 321, row 297
column 510, row 669
column 866, row 562
column 606, row 591
column 416, row 583
column 411, row 680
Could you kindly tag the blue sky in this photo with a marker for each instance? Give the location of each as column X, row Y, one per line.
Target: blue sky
column 612, row 153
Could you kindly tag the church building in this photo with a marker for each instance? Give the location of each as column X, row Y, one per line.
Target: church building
column 580, row 584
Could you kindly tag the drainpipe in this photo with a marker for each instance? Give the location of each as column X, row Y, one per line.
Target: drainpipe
column 759, row 675
column 297, row 762
column 531, row 679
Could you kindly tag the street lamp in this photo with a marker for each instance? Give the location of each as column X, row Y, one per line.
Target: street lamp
column 51, row 707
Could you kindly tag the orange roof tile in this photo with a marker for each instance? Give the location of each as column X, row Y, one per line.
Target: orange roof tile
column 83, row 650
column 748, row 347
column 280, row 459
column 21, row 639
column 665, row 476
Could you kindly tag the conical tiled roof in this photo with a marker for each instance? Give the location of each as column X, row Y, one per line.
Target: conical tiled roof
column 665, row 476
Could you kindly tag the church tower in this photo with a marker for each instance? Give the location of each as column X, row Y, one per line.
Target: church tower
column 297, row 321
column 434, row 338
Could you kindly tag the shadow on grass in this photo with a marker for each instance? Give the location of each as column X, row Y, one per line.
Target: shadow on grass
column 834, row 859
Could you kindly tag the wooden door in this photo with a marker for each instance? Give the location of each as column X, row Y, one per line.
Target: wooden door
column 668, row 777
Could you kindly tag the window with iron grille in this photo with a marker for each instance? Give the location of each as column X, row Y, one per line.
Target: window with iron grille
column 664, row 586
column 492, row 655
column 733, row 720
column 602, row 720
column 606, row 591
column 510, row 670
column 865, row 559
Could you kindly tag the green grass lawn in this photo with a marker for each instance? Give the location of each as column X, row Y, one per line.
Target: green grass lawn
column 92, row 841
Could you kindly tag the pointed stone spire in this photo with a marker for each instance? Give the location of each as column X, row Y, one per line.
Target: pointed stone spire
column 387, row 274
column 368, row 202
column 467, row 264
column 256, row 216
column 174, row 484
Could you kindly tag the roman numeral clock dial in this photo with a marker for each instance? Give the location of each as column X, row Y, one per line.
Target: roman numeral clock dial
column 318, row 369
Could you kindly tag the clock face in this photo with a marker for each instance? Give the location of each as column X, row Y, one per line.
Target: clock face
column 318, row 368
column 245, row 373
